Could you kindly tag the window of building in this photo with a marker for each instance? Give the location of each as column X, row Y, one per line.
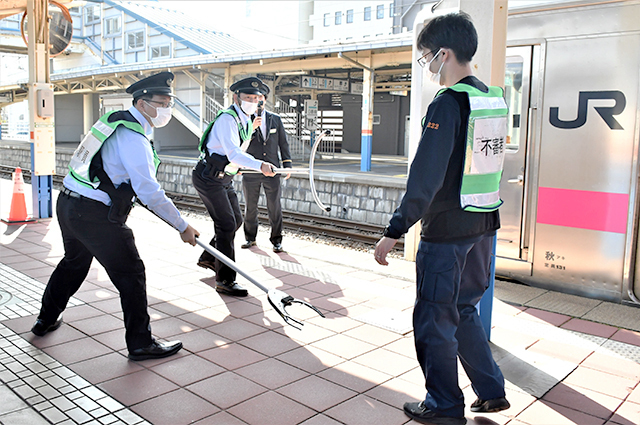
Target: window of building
column 135, row 40
column 338, row 18
column 112, row 25
column 367, row 13
column 380, row 11
column 160, row 52
column 392, row 10
column 91, row 15
column 327, row 19
column 350, row 16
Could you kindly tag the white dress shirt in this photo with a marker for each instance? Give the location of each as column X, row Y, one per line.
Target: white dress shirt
column 224, row 139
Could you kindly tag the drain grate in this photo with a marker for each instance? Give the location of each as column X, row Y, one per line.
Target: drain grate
column 7, row 298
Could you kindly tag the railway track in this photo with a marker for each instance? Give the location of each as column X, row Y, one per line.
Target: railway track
column 337, row 229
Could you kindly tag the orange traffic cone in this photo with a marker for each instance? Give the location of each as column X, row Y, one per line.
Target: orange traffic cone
column 18, row 211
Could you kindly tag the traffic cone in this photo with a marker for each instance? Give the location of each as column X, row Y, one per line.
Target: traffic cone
column 18, row 211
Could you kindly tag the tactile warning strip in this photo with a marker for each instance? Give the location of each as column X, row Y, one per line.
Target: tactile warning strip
column 24, row 294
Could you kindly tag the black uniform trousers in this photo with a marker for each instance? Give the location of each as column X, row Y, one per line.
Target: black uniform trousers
column 221, row 202
column 87, row 233
column 251, row 184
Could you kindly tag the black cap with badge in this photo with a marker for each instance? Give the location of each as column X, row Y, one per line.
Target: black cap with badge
column 155, row 84
column 250, row 85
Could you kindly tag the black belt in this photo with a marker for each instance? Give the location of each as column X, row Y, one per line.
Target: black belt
column 75, row 195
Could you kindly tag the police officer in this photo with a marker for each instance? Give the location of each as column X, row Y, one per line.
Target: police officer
column 453, row 188
column 114, row 163
column 267, row 139
column 223, row 150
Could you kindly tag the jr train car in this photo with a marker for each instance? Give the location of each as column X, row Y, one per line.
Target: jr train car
column 570, row 181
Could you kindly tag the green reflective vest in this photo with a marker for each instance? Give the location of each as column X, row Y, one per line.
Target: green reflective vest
column 245, row 137
column 80, row 163
column 486, row 142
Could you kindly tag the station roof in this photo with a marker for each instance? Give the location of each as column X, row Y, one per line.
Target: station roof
column 181, row 27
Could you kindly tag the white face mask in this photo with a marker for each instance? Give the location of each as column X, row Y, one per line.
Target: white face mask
column 435, row 78
column 162, row 118
column 249, row 108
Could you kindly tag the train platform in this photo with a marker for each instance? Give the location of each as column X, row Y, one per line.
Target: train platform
column 566, row 359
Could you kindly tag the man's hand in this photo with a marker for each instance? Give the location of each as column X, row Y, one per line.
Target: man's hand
column 267, row 169
column 383, row 246
column 288, row 175
column 189, row 235
column 257, row 122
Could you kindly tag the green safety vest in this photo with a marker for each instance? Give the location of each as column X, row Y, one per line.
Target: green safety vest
column 486, row 143
column 80, row 163
column 245, row 137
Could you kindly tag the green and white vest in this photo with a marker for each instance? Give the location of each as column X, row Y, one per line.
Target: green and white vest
column 486, row 143
column 244, row 132
column 80, row 163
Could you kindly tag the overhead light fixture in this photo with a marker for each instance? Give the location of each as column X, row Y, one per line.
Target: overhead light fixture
column 301, row 72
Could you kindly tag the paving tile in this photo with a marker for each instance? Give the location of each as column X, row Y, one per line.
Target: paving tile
column 546, row 413
column 232, row 356
column 270, row 343
column 136, row 387
column 354, row 376
column 613, row 364
column 80, row 312
column 174, row 408
column 221, row 418
column 363, row 410
column 271, row 408
column 64, row 334
column 396, row 392
column 310, row 359
column 77, row 350
column 628, row 336
column 344, row 346
column 309, row 333
column 271, row 373
column 627, row 414
column 113, row 339
column 320, row 420
column 386, row 361
column 373, row 335
column 95, row 294
column 615, row 386
column 317, row 393
column 542, row 316
column 200, row 340
column 187, row 370
column 226, row 389
column 105, row 368
column 171, row 327
column 591, row 328
column 584, row 400
column 97, row 325
column 558, row 350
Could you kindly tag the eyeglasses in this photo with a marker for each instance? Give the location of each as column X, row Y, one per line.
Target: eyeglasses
column 422, row 61
column 162, row 104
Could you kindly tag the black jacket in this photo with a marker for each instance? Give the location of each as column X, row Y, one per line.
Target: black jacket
column 267, row 150
column 435, row 177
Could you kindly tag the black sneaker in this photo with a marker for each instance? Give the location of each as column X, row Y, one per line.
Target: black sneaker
column 41, row 328
column 207, row 264
column 156, row 350
column 278, row 248
column 231, row 288
column 248, row 244
column 420, row 413
column 490, row 406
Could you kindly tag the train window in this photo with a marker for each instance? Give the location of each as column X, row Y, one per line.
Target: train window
column 513, row 95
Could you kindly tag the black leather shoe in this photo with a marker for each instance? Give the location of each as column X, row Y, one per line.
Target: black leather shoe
column 278, row 248
column 41, row 328
column 231, row 288
column 207, row 264
column 156, row 350
column 248, row 244
column 421, row 413
column 490, row 406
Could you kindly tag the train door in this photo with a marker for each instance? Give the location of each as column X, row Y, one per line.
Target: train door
column 512, row 237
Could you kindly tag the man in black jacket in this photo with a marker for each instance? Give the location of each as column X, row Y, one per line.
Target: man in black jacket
column 268, row 138
column 453, row 188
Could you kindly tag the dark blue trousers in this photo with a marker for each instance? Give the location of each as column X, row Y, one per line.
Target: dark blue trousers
column 451, row 279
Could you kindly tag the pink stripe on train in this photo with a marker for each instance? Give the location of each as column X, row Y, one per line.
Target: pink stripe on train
column 583, row 209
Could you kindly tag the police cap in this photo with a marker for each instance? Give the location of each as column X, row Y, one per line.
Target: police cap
column 250, row 85
column 155, row 84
